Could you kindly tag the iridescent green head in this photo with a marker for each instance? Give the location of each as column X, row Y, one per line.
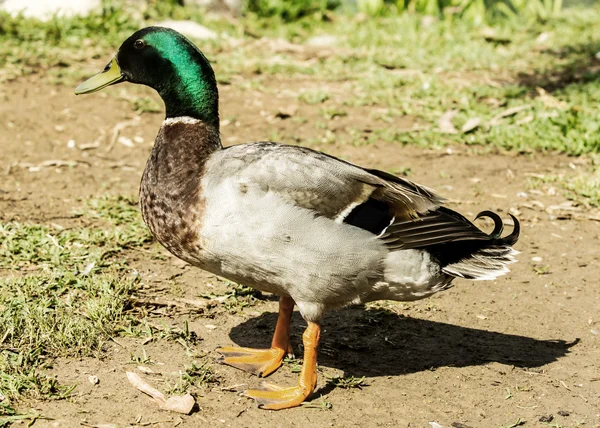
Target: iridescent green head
column 168, row 62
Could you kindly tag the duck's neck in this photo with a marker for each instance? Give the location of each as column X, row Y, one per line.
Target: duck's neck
column 192, row 98
column 188, row 136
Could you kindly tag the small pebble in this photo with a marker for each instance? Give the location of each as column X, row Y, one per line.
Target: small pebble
column 71, row 144
column 125, row 141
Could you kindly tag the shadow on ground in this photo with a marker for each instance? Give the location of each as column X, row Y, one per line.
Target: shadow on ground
column 381, row 343
column 575, row 65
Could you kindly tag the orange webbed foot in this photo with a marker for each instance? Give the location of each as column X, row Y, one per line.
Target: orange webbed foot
column 261, row 362
column 274, row 397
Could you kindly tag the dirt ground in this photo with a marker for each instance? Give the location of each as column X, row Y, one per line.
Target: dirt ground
column 483, row 354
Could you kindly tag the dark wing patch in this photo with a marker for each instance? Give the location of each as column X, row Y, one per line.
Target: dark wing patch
column 372, row 215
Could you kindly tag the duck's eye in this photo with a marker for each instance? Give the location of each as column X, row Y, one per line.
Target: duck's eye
column 139, row 44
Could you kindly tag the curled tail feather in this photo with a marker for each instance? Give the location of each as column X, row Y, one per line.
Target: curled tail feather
column 492, row 258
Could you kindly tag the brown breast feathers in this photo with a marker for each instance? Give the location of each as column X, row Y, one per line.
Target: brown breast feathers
column 170, row 192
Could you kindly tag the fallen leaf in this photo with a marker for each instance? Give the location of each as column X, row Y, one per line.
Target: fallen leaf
column 471, row 125
column 543, row 38
column 527, row 119
column 90, row 146
column 287, row 112
column 180, row 404
column 145, row 387
column 514, row 211
column 445, row 122
column 549, row 100
column 88, row 268
column 496, row 120
column 490, row 35
column 565, row 206
column 126, row 141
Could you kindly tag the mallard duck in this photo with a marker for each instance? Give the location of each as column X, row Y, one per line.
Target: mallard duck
column 317, row 231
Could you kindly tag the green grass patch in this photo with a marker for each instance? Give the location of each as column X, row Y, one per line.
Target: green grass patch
column 9, row 415
column 48, row 316
column 237, row 297
column 195, row 376
column 82, row 250
column 585, row 188
column 582, row 187
column 347, row 382
column 63, row 292
column 120, row 210
column 400, row 62
column 423, row 69
column 29, row 46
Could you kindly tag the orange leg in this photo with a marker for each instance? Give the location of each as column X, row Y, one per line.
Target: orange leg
column 274, row 397
column 263, row 362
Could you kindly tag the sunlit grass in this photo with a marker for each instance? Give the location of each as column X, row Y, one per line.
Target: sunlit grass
column 62, row 293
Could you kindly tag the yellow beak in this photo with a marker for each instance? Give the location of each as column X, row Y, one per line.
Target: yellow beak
column 110, row 75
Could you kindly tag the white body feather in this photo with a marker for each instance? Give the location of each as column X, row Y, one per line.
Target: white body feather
column 287, row 250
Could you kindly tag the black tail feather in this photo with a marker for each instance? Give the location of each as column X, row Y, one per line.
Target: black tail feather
column 489, row 260
column 499, row 227
column 498, row 224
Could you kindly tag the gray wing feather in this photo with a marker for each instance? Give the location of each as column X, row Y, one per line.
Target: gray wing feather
column 323, row 183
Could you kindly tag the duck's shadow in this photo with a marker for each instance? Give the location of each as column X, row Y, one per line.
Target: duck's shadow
column 368, row 342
